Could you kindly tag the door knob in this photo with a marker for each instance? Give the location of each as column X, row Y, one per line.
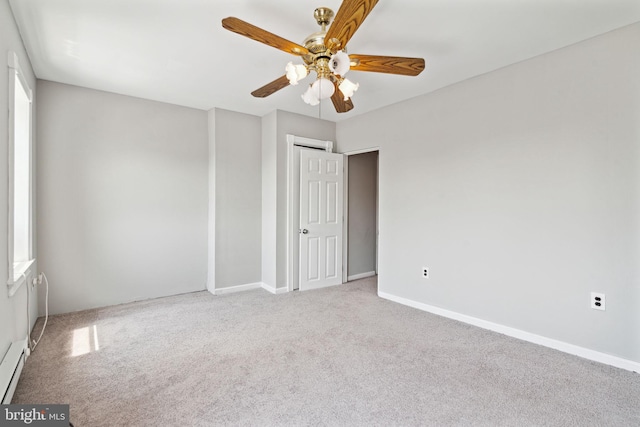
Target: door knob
column 304, row 231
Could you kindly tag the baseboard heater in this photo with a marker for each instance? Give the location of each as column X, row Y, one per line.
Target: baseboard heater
column 10, row 370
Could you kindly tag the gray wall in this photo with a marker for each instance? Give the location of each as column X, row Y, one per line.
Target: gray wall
column 122, row 197
column 363, row 187
column 13, row 316
column 520, row 189
column 238, row 198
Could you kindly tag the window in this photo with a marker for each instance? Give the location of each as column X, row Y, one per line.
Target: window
column 20, row 176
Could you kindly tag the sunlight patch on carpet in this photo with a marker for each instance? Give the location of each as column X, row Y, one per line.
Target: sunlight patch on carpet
column 85, row 340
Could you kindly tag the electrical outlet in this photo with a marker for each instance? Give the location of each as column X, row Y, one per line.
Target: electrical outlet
column 425, row 272
column 37, row 280
column 597, row 301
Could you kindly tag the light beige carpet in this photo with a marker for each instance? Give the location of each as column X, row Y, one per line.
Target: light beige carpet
column 338, row 356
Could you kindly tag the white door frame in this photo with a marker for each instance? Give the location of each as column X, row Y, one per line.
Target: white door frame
column 345, row 222
column 293, row 198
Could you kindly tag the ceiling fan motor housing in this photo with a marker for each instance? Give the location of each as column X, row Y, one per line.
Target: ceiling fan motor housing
column 319, row 54
column 315, row 43
column 323, row 16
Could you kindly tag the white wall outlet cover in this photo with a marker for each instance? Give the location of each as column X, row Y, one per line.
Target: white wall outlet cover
column 597, row 301
column 425, row 272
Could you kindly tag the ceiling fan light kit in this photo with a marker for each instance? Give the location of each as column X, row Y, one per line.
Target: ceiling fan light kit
column 310, row 98
column 340, row 63
column 296, row 72
column 347, row 87
column 325, row 53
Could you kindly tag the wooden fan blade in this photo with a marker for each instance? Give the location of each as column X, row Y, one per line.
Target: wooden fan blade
column 387, row 64
column 263, row 36
column 269, row 88
column 349, row 17
column 339, row 103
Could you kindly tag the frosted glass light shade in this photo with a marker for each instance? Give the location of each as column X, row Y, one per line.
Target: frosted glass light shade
column 309, row 97
column 323, row 88
column 347, row 87
column 296, row 72
column 340, row 63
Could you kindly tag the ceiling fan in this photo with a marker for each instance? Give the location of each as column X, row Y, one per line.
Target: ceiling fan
column 325, row 53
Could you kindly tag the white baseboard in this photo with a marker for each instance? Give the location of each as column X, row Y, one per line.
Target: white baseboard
column 361, row 275
column 11, row 368
column 275, row 291
column 248, row 287
column 238, row 288
column 575, row 350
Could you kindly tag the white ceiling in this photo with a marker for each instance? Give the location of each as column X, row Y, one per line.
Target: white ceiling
column 176, row 51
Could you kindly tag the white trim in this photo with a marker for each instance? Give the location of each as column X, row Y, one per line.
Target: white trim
column 14, row 64
column 17, row 270
column 377, row 209
column 238, row 288
column 363, row 151
column 11, row 368
column 275, row 291
column 268, row 288
column 309, row 142
column 575, row 350
column 20, row 272
column 290, row 197
column 293, row 140
column 361, row 275
column 13, row 287
column 249, row 287
column 12, row 60
column 345, row 221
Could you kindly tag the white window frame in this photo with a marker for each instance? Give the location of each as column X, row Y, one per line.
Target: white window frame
column 18, row 271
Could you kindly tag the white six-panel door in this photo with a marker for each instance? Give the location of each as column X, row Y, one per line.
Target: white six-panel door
column 321, row 203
